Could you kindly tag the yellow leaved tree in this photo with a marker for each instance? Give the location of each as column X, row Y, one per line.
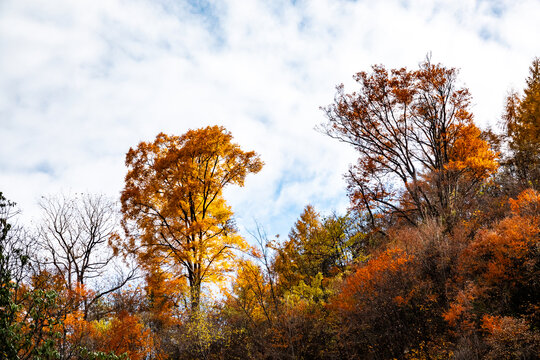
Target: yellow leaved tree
column 522, row 122
column 173, row 206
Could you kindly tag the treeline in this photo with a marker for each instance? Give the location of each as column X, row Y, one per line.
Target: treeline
column 437, row 258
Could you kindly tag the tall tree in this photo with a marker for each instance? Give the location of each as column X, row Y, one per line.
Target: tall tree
column 420, row 153
column 522, row 120
column 174, row 195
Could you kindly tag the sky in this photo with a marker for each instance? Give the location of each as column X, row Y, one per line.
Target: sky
column 83, row 81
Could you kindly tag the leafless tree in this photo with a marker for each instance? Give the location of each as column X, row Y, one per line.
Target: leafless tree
column 74, row 238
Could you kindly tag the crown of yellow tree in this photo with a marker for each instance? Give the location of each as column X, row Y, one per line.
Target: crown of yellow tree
column 173, row 203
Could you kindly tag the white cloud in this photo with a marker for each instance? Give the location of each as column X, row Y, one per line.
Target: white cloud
column 82, row 81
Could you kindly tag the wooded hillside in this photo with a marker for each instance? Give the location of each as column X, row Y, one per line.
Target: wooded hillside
column 438, row 256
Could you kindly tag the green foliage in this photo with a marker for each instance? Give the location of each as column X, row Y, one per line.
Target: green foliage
column 365, row 285
column 8, row 309
column 85, row 354
column 27, row 330
column 319, row 248
column 313, row 293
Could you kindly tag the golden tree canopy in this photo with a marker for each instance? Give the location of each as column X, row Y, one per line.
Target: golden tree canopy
column 173, row 195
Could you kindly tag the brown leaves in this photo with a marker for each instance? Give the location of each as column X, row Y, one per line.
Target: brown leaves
column 410, row 126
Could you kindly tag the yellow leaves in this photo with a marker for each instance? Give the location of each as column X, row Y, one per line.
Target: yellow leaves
column 174, row 194
column 431, row 350
column 470, row 153
column 250, row 291
column 310, row 294
column 522, row 121
column 200, row 334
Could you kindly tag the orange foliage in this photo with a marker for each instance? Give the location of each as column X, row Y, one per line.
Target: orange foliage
column 78, row 331
column 381, row 302
column 506, row 253
column 459, row 314
column 470, row 154
column 527, row 204
column 164, row 291
column 498, row 273
column 174, row 195
column 412, row 129
column 126, row 334
column 367, row 280
column 510, row 338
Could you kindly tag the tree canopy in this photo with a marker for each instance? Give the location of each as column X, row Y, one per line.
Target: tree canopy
column 436, row 258
column 522, row 121
column 173, row 204
column 420, row 154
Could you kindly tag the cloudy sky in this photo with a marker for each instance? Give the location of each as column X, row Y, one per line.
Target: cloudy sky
column 83, row 81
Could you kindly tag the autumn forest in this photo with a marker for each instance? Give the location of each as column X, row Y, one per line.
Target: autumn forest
column 438, row 256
